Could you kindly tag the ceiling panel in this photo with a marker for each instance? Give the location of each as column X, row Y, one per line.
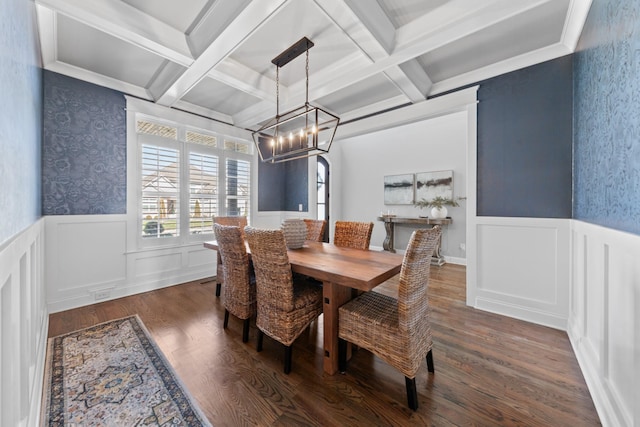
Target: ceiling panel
column 219, row 97
column 178, row 14
column 402, row 12
column 85, row 47
column 295, row 20
column 369, row 91
column 539, row 27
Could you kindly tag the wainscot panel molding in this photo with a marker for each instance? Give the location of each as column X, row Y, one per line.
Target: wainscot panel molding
column 523, row 269
column 87, row 262
column 24, row 322
column 604, row 320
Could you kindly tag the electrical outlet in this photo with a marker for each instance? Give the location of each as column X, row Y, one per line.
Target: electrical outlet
column 463, row 247
column 104, row 294
column 300, row 207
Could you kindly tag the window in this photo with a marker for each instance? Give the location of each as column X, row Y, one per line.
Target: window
column 203, row 192
column 238, row 182
column 185, row 177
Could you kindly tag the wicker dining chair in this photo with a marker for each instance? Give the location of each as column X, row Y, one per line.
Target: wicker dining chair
column 236, row 221
column 396, row 330
column 239, row 296
column 352, row 234
column 285, row 308
column 315, row 229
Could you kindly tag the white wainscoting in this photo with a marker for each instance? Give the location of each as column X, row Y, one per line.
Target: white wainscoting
column 604, row 319
column 521, row 268
column 87, row 261
column 24, row 322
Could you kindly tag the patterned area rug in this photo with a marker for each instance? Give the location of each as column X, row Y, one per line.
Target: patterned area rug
column 113, row 374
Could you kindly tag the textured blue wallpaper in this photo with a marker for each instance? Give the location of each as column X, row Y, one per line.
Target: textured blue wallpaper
column 524, row 142
column 607, row 117
column 20, row 117
column 282, row 186
column 84, row 148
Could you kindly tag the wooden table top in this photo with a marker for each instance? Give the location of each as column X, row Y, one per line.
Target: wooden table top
column 354, row 268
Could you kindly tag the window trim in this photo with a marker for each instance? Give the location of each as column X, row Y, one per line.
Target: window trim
column 138, row 109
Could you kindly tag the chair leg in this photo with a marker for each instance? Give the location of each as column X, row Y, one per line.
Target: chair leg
column 342, row 355
column 260, row 337
column 226, row 319
column 287, row 359
column 412, row 394
column 430, row 361
column 218, row 288
column 245, row 330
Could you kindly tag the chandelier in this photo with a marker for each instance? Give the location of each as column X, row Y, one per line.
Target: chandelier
column 302, row 132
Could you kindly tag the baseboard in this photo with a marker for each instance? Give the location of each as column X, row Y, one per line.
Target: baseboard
column 521, row 312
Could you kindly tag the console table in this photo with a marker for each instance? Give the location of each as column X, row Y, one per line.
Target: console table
column 391, row 221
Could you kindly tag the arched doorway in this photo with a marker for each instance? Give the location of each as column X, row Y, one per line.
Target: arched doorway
column 322, row 181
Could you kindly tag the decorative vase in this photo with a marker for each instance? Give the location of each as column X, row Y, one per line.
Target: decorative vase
column 439, row 213
column 295, row 232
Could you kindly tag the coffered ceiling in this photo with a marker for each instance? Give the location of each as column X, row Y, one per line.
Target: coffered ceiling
column 213, row 57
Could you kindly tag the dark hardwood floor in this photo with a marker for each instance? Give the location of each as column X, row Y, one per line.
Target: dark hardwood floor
column 489, row 370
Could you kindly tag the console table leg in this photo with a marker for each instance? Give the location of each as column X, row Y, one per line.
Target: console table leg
column 437, row 258
column 388, row 245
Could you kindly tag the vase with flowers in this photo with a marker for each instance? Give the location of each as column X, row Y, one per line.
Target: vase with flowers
column 438, row 206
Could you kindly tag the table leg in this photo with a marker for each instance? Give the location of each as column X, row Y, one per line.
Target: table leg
column 333, row 296
column 388, row 243
column 219, row 275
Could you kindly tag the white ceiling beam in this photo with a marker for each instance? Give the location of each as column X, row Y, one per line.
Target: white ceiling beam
column 518, row 62
column 246, row 23
column 212, row 22
column 202, row 111
column 239, row 76
column 47, row 23
column 376, row 22
column 406, row 85
column 374, row 108
column 126, row 23
column 454, row 102
column 99, row 79
column 418, row 76
column 576, row 17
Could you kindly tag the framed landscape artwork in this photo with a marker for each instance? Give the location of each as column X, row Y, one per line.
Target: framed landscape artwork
column 430, row 185
column 398, row 189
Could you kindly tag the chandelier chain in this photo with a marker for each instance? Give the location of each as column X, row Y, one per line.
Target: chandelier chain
column 277, row 91
column 306, row 99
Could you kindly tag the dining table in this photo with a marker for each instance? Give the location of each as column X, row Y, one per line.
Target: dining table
column 340, row 270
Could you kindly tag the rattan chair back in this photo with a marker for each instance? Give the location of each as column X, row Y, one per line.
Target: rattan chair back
column 282, row 311
column 236, row 221
column 315, row 229
column 353, row 234
column 413, row 302
column 396, row 330
column 239, row 294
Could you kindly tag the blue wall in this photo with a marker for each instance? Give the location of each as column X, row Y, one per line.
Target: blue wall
column 607, row 117
column 524, row 142
column 20, row 117
column 84, row 148
column 283, row 186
